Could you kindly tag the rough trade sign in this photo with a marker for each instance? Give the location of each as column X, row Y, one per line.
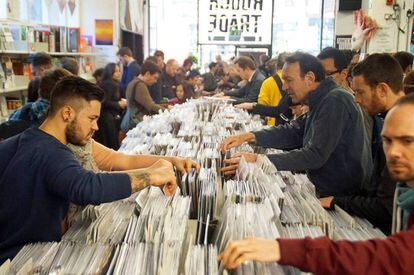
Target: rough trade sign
column 240, row 22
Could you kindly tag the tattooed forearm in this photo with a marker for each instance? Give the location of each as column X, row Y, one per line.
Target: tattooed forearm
column 139, row 180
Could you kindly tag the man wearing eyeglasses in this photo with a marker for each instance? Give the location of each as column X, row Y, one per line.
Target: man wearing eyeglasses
column 336, row 66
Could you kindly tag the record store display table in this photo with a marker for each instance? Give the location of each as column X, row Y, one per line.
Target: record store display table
column 149, row 233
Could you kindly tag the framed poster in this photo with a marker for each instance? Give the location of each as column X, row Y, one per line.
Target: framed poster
column 104, row 32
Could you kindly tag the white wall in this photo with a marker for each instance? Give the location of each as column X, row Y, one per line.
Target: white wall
column 49, row 10
column 101, row 9
column 388, row 38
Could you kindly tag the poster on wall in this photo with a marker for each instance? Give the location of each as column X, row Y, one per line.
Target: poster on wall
column 104, row 32
column 385, row 39
column 343, row 42
column 235, row 22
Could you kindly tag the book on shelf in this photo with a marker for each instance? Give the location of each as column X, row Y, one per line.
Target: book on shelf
column 3, row 107
column 73, row 40
column 62, row 39
column 6, row 37
column 54, row 39
column 19, row 34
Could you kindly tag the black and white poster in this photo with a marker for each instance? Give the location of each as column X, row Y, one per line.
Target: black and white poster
column 235, row 22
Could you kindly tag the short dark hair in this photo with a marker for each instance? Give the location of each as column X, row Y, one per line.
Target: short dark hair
column 40, row 59
column 33, row 87
column 212, row 65
column 281, row 59
column 150, row 67
column 409, row 83
column 338, row 57
column 159, row 53
column 192, row 74
column 245, row 62
column 271, row 66
column 152, row 58
column 124, row 51
column 70, row 64
column 307, row 63
column 378, row 68
column 98, row 73
column 349, row 55
column 49, row 80
column 71, row 90
column 220, row 73
column 264, row 58
column 405, row 59
column 187, row 61
column 109, row 71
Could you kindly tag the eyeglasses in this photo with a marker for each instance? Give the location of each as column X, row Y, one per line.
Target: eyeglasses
column 331, row 73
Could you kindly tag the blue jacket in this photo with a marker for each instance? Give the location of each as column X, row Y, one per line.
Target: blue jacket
column 128, row 74
column 328, row 143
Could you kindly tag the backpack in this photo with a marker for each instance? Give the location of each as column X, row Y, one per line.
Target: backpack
column 284, row 102
column 130, row 119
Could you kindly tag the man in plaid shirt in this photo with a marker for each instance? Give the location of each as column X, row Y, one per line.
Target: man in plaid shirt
column 34, row 112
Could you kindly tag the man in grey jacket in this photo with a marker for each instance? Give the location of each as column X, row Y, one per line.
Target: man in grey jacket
column 328, row 142
column 246, row 69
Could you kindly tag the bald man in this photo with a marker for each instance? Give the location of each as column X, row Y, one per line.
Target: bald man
column 168, row 79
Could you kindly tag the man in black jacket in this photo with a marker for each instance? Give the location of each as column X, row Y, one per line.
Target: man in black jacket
column 168, row 80
column 329, row 144
column 377, row 83
column 250, row 92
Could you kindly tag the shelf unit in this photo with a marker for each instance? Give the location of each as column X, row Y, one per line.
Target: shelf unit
column 20, row 48
column 13, row 90
column 50, row 53
column 20, row 91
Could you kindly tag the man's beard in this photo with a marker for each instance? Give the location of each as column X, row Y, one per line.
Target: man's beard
column 72, row 133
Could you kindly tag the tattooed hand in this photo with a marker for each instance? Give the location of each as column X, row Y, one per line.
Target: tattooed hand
column 159, row 174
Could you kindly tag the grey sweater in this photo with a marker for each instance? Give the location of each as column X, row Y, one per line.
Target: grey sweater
column 329, row 143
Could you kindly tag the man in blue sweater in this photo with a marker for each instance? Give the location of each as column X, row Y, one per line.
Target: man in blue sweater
column 328, row 142
column 39, row 175
column 130, row 66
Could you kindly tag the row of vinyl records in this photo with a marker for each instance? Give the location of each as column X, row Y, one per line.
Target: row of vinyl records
column 149, row 233
column 16, row 37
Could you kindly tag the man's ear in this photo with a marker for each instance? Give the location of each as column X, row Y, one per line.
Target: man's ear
column 67, row 113
column 310, row 76
column 382, row 90
column 344, row 74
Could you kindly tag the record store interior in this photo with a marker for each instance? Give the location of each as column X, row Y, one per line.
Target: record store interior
column 206, row 137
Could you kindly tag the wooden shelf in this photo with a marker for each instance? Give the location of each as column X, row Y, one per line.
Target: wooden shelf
column 12, row 90
column 14, row 52
column 50, row 53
